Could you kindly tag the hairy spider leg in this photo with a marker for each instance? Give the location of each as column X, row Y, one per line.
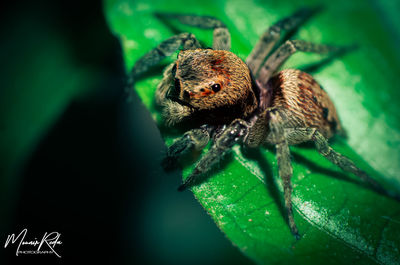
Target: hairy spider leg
column 195, row 139
column 283, row 137
column 272, row 35
column 346, row 164
column 277, row 137
column 222, row 144
column 301, row 135
column 221, row 35
column 153, row 57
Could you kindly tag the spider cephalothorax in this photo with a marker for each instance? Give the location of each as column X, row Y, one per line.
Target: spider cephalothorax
column 211, row 85
column 230, row 101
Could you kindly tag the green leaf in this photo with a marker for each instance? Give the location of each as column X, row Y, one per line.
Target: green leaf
column 340, row 219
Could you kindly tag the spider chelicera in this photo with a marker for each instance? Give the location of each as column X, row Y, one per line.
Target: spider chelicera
column 230, row 101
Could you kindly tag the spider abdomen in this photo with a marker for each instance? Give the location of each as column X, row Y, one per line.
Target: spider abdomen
column 305, row 103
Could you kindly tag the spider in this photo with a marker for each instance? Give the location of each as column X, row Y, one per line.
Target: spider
column 229, row 101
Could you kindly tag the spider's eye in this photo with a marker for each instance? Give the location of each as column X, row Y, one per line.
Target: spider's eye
column 186, row 95
column 216, row 87
column 177, row 86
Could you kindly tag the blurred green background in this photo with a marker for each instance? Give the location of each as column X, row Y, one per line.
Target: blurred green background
column 75, row 158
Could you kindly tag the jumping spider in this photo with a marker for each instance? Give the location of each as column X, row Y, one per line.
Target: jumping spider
column 231, row 101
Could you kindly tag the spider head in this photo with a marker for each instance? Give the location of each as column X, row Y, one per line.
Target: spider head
column 215, row 83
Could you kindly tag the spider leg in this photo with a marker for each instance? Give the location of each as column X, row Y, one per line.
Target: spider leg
column 346, row 164
column 221, row 35
column 277, row 136
column 195, row 139
column 231, row 135
column 272, row 35
column 153, row 57
column 278, row 57
column 301, row 135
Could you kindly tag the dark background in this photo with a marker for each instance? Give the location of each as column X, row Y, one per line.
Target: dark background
column 93, row 171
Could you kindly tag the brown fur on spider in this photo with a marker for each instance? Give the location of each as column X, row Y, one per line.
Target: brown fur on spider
column 231, row 101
